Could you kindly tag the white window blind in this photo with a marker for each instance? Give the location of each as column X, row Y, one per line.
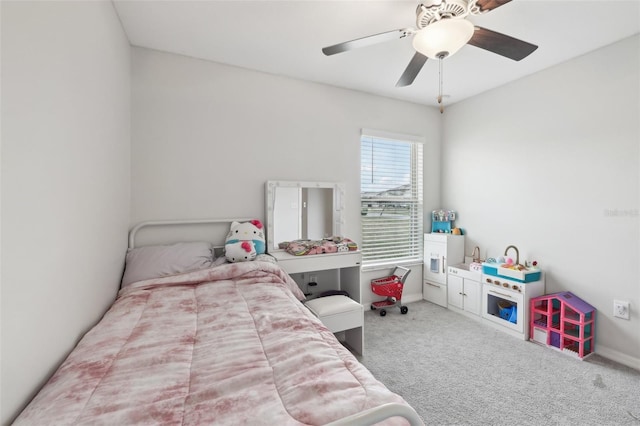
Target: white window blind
column 391, row 199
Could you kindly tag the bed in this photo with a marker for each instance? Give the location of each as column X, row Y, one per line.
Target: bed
column 205, row 341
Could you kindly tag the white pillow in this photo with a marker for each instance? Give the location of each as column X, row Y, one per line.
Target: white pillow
column 143, row 263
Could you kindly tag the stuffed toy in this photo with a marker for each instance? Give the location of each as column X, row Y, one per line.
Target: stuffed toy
column 241, row 251
column 247, row 232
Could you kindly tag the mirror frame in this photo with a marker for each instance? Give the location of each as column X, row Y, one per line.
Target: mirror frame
column 338, row 205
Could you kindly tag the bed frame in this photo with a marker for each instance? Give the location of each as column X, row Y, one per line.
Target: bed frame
column 367, row 417
column 160, row 223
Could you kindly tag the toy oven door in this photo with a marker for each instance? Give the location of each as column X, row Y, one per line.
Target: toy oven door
column 504, row 307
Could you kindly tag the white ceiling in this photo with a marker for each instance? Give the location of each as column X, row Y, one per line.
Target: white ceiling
column 286, row 38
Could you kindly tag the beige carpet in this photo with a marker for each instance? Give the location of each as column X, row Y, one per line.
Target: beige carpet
column 455, row 371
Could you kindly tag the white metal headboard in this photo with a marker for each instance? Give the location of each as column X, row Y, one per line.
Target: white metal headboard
column 158, row 223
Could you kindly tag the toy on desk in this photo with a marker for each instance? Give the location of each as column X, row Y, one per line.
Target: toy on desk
column 326, row 245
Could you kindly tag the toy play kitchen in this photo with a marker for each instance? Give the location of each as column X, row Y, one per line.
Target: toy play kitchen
column 507, row 288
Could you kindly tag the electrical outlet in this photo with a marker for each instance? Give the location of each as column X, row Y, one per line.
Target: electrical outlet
column 621, row 309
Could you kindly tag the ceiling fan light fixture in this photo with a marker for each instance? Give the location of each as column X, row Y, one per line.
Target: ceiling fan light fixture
column 443, row 38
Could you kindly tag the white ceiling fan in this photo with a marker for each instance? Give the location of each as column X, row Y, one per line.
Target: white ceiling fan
column 442, row 29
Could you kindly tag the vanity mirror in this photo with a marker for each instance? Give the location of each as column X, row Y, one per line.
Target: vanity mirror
column 302, row 210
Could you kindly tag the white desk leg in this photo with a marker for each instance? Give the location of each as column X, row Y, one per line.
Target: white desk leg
column 355, row 339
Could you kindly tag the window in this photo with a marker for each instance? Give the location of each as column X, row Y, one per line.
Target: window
column 391, row 198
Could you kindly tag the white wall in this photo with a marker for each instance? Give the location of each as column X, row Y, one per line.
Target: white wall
column 65, row 182
column 550, row 163
column 207, row 136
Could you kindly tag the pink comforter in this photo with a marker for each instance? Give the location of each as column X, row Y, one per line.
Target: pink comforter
column 228, row 345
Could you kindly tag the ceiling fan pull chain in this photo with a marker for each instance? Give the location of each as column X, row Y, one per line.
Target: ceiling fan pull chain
column 440, row 58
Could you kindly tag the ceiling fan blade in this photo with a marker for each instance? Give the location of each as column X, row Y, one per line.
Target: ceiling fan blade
column 412, row 70
column 487, row 5
column 366, row 41
column 501, row 44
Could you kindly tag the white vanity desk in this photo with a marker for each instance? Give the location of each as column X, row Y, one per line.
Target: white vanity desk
column 346, row 264
column 346, row 269
column 313, row 210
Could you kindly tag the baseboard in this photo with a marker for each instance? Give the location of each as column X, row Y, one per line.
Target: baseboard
column 618, row 357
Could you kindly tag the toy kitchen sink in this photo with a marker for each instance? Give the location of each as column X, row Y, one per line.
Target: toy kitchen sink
column 513, row 271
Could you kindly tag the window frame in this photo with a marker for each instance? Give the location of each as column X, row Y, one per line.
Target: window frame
column 414, row 248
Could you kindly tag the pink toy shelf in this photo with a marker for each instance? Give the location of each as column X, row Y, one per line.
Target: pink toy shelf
column 564, row 322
